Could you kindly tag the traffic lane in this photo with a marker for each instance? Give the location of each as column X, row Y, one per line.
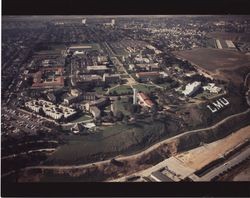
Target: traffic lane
column 229, row 164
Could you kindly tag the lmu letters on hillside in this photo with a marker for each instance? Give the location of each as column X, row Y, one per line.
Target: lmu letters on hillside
column 218, row 104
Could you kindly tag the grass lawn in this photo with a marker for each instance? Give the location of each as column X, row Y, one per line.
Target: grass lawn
column 205, row 94
column 99, row 90
column 82, row 118
column 165, row 85
column 145, row 88
column 119, row 105
column 122, row 90
column 54, row 49
column 110, row 140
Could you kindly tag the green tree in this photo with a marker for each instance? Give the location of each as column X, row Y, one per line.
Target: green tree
column 119, row 115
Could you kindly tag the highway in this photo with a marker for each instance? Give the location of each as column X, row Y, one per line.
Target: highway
column 226, row 166
column 145, row 152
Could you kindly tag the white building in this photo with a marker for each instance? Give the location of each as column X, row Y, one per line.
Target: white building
column 191, row 88
column 84, row 21
column 111, row 78
column 33, row 105
column 131, row 66
column 230, row 44
column 78, row 53
column 98, row 69
column 212, row 88
column 79, row 48
column 95, row 111
column 51, row 110
column 218, row 44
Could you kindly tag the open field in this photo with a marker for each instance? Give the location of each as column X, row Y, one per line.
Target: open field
column 221, row 64
column 121, row 90
column 104, row 170
column 201, row 156
column 110, row 140
column 53, row 49
column 99, row 90
column 122, row 105
column 82, row 118
column 239, row 37
column 145, row 88
column 214, row 59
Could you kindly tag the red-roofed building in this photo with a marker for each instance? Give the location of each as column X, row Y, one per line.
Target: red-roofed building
column 47, row 78
column 148, row 76
column 144, row 100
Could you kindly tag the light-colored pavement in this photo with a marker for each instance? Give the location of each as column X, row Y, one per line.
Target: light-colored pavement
column 172, row 164
column 143, row 153
column 185, row 164
column 229, row 164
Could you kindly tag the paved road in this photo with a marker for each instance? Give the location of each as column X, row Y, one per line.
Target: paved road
column 41, row 117
column 114, row 58
column 25, row 120
column 226, row 166
column 28, row 152
column 247, row 95
column 155, row 146
column 245, row 81
column 145, row 152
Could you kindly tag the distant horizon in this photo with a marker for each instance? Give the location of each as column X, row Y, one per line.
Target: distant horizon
column 35, row 17
column 117, row 16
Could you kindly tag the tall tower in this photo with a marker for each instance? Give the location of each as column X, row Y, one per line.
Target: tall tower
column 113, row 22
column 135, row 96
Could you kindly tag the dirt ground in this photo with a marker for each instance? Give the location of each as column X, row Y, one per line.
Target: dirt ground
column 213, row 59
column 241, row 173
column 221, row 64
column 242, row 37
column 201, row 156
column 105, row 170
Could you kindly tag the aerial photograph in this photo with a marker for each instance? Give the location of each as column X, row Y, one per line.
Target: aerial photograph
column 125, row 98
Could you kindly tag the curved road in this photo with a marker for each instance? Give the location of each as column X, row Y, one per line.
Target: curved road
column 28, row 152
column 138, row 154
column 245, row 81
column 155, row 146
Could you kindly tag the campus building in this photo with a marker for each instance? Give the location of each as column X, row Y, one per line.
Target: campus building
column 191, row 88
column 54, row 111
column 111, row 78
column 148, row 76
column 144, row 100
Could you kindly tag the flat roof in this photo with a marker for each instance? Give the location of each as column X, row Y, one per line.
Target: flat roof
column 97, row 67
column 81, row 46
column 161, row 176
column 141, row 74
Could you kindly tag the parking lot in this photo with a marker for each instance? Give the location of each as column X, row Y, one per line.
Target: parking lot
column 20, row 121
